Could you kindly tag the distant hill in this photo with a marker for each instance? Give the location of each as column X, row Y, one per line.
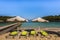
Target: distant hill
column 51, row 18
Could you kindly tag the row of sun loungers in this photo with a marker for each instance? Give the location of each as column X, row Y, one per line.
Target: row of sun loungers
column 31, row 32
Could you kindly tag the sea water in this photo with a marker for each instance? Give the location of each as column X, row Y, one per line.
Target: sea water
column 40, row 24
column 36, row 24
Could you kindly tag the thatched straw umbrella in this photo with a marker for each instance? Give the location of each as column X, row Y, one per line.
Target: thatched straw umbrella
column 17, row 18
column 40, row 20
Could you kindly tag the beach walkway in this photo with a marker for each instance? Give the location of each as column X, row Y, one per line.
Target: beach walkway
column 8, row 28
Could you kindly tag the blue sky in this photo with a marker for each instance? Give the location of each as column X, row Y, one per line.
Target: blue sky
column 29, row 9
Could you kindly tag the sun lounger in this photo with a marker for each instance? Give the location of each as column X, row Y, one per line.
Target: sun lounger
column 44, row 33
column 13, row 33
column 29, row 30
column 33, row 32
column 23, row 33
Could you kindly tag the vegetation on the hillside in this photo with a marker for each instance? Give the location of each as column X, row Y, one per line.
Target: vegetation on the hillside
column 4, row 18
column 51, row 18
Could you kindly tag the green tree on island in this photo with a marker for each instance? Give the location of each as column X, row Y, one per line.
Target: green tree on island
column 51, row 18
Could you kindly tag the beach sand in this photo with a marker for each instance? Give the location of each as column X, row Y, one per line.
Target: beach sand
column 49, row 37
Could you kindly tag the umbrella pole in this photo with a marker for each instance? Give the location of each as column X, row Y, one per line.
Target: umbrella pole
column 39, row 28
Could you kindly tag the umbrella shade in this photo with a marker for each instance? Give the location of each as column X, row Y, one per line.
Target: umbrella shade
column 14, row 33
column 53, row 32
column 29, row 30
column 33, row 32
column 44, row 33
column 24, row 33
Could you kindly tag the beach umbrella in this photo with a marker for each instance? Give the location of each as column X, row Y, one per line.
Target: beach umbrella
column 24, row 33
column 44, row 33
column 40, row 20
column 17, row 18
column 14, row 33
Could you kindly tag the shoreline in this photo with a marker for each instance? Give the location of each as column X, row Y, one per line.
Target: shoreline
column 50, row 29
column 39, row 28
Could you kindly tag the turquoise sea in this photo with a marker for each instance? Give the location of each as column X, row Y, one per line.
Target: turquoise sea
column 39, row 24
column 36, row 24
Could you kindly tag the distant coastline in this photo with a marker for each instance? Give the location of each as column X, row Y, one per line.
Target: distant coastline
column 51, row 18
